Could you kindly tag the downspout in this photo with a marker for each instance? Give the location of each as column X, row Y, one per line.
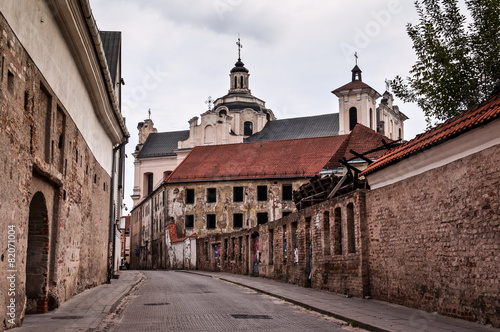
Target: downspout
column 112, row 223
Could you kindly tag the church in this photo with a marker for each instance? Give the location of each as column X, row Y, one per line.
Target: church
column 240, row 117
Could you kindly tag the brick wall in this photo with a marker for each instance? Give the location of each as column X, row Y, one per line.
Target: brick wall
column 435, row 239
column 43, row 153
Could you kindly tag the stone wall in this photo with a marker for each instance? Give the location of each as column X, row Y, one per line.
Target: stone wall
column 54, row 191
column 435, row 239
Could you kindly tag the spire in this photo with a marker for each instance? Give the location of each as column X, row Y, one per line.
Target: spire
column 240, row 46
column 239, row 74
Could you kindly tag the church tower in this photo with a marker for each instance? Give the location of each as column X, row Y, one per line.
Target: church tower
column 239, row 75
column 357, row 103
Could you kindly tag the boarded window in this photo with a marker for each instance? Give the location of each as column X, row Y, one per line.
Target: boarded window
column 211, row 195
column 326, row 233
column 351, row 238
column 287, row 192
column 211, row 221
column 338, row 232
column 262, row 193
column 238, row 194
column 189, row 221
column 237, row 220
column 262, row 218
column 189, row 196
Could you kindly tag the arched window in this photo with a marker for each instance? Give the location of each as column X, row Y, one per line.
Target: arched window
column 235, row 82
column 351, row 237
column 371, row 119
column 337, row 238
column 353, row 117
column 400, row 134
column 241, row 82
column 248, row 128
column 223, row 112
column 209, row 134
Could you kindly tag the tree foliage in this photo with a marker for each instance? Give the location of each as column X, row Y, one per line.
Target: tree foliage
column 458, row 57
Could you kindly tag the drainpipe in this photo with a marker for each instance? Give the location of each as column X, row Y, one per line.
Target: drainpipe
column 112, row 224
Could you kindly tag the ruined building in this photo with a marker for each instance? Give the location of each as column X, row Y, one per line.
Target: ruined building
column 61, row 133
column 425, row 235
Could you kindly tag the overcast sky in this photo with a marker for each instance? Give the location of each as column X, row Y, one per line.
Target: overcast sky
column 177, row 53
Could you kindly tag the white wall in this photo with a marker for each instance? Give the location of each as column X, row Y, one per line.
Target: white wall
column 34, row 24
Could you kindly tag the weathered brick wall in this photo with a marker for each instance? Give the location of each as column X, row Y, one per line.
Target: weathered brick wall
column 435, row 239
column 305, row 261
column 42, row 151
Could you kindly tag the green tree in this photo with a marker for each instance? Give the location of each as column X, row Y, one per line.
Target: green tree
column 458, row 62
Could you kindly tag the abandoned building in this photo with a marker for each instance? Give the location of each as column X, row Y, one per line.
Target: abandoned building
column 62, row 154
column 426, row 234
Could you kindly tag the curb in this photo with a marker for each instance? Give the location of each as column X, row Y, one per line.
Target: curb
column 362, row 325
column 125, row 293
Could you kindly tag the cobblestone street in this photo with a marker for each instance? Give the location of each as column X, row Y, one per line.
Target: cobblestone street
column 173, row 301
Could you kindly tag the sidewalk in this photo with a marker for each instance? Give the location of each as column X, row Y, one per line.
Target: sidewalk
column 86, row 310
column 372, row 315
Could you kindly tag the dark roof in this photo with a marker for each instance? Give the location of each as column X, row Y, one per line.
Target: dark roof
column 476, row 117
column 311, row 126
column 162, row 144
column 239, row 67
column 361, row 140
column 261, row 160
column 111, row 43
column 241, row 105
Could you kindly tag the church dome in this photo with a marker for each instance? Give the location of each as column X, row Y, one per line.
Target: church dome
column 239, row 67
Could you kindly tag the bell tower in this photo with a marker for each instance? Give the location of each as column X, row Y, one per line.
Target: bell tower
column 357, row 103
column 239, row 75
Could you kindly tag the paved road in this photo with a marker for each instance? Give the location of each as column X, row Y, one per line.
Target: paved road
column 173, row 301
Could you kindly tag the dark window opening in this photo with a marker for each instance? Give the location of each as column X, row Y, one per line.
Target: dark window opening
column 223, row 112
column 400, row 134
column 150, row 183
column 271, row 246
column 286, row 213
column 189, row 223
column 353, row 117
column 211, row 195
column 351, row 238
column 337, row 238
column 287, row 192
column 371, row 119
column 235, row 82
column 326, row 233
column 10, row 81
column 241, row 82
column 189, row 196
column 226, row 256
column 238, row 194
column 262, row 218
column 262, row 193
column 237, row 220
column 211, row 221
column 247, row 128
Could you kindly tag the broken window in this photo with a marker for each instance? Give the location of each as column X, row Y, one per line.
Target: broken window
column 238, row 194
column 211, row 195
column 211, row 221
column 262, row 218
column 237, row 220
column 189, row 196
column 189, row 223
column 287, row 192
column 262, row 193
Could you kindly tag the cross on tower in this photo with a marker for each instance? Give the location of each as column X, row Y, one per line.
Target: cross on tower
column 240, row 46
column 149, row 113
column 209, row 102
column 356, row 56
column 387, row 85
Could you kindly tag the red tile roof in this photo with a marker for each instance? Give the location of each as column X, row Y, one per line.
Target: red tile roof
column 271, row 159
column 477, row 116
column 353, row 85
column 361, row 139
column 172, row 232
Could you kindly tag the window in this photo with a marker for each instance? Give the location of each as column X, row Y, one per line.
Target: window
column 211, row 221
column 262, row 218
column 233, row 247
column 237, row 220
column 10, row 81
column 226, row 256
column 235, row 82
column 211, row 195
column 223, row 112
column 286, row 213
column 284, row 244
column 353, row 117
column 400, row 134
column 326, row 233
column 371, row 119
column 351, row 245
column 241, row 82
column 189, row 223
column 248, row 128
column 338, row 232
column 271, row 246
column 287, row 192
column 150, row 183
column 262, row 193
column 189, row 196
column 238, row 194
